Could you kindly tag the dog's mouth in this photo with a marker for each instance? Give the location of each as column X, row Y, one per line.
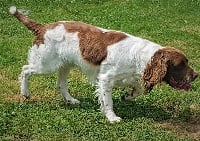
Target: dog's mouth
column 185, row 84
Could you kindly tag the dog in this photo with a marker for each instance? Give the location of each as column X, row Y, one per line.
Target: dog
column 108, row 58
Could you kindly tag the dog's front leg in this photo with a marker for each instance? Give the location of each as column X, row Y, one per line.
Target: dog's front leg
column 104, row 90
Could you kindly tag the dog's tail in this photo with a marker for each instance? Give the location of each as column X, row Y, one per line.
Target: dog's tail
column 29, row 23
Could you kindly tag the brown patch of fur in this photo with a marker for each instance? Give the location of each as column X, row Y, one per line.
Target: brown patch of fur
column 94, row 42
column 39, row 36
column 156, row 69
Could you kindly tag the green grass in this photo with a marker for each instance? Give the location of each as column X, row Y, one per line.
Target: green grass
column 164, row 114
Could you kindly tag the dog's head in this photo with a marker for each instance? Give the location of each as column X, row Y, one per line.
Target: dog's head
column 171, row 66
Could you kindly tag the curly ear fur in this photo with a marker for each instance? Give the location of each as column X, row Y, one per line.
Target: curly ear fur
column 156, row 69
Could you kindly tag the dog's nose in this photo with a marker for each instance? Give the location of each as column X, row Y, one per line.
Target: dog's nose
column 195, row 75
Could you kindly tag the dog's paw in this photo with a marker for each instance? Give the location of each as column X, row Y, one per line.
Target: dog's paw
column 26, row 97
column 26, row 94
column 127, row 97
column 130, row 95
column 112, row 117
column 73, row 101
column 115, row 120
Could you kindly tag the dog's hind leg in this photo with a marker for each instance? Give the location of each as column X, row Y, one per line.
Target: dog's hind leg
column 62, row 85
column 27, row 71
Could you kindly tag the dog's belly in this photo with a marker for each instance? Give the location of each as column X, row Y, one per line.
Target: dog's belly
column 118, row 79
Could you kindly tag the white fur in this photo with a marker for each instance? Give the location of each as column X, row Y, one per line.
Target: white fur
column 60, row 52
column 12, row 9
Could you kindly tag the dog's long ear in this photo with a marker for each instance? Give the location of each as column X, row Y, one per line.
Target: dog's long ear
column 156, row 69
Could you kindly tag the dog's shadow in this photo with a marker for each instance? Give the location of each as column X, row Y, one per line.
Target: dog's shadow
column 130, row 110
column 134, row 109
column 126, row 109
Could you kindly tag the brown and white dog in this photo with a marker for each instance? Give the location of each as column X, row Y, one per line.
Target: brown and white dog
column 108, row 58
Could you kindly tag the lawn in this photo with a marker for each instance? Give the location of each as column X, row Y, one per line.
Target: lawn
column 164, row 114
